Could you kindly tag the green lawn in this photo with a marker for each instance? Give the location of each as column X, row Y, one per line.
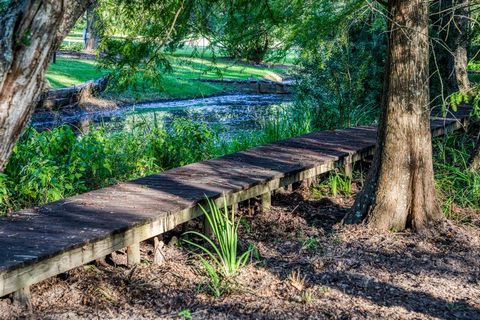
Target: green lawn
column 171, row 88
column 74, row 36
column 69, row 71
column 179, row 84
column 189, row 68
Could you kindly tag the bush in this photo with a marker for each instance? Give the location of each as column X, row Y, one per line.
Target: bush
column 343, row 79
column 71, row 46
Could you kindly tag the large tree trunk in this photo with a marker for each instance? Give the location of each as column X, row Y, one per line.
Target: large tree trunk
column 91, row 37
column 400, row 190
column 29, row 31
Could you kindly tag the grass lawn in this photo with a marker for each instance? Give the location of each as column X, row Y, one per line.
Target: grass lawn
column 179, row 84
column 74, row 36
column 171, row 88
column 68, row 72
column 189, row 68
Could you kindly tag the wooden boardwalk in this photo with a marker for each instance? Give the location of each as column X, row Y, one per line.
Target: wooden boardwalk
column 43, row 242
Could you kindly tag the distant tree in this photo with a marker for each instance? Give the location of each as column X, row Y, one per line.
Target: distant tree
column 246, row 29
column 91, row 39
column 451, row 24
column 400, row 189
column 30, row 30
column 134, row 35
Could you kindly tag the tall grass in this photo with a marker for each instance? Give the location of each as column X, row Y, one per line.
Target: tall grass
column 456, row 184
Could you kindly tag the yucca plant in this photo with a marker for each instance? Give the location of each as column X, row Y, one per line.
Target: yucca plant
column 223, row 249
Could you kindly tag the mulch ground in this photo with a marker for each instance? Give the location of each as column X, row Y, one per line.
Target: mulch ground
column 307, row 265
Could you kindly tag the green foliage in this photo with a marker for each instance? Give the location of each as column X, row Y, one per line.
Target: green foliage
column 3, row 5
column 310, row 244
column 50, row 165
column 187, row 142
column 335, row 184
column 455, row 182
column 214, row 285
column 245, row 29
column 342, row 74
column 471, row 97
column 133, row 34
column 185, row 314
column 222, row 250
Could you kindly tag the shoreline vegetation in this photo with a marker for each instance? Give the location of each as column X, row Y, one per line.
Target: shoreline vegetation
column 53, row 164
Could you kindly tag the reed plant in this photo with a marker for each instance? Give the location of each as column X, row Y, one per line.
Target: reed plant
column 222, row 248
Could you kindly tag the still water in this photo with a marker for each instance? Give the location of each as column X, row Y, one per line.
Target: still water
column 236, row 112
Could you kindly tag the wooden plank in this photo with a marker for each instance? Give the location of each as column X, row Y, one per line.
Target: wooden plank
column 77, row 230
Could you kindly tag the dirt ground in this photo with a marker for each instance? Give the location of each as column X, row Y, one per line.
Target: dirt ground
column 307, row 266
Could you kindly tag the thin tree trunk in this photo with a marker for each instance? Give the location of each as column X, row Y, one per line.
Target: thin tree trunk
column 91, row 38
column 460, row 30
column 475, row 156
column 400, row 190
column 29, row 32
column 452, row 23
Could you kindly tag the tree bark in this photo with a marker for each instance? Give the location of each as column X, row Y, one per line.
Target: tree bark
column 400, row 191
column 29, row 32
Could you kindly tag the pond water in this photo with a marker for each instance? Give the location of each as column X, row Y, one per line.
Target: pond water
column 233, row 112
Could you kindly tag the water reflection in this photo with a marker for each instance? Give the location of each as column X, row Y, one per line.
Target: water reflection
column 232, row 112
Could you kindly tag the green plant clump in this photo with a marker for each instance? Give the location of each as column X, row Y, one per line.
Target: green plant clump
column 455, row 182
column 224, row 246
column 336, row 184
column 223, row 260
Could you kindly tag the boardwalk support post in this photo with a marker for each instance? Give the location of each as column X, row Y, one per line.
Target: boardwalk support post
column 266, row 200
column 207, row 228
column 347, row 168
column 158, row 255
column 133, row 254
column 22, row 297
